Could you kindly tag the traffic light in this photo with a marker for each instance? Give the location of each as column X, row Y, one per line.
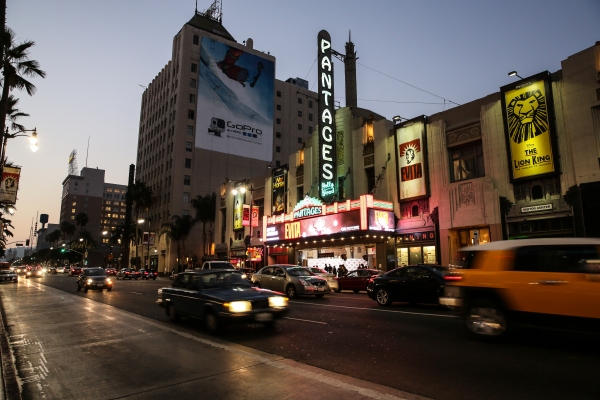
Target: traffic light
column 63, row 250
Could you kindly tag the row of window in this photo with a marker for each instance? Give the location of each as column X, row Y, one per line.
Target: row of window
column 300, row 101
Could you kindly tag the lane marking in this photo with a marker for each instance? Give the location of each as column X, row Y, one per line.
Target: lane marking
column 377, row 309
column 306, row 320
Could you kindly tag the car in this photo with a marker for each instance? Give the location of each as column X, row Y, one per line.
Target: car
column 52, row 270
column 550, row 283
column 34, row 273
column 75, row 270
column 331, row 278
column 8, row 276
column 422, row 283
column 94, row 278
column 61, row 269
column 247, row 273
column 220, row 297
column 110, row 271
column 356, row 280
column 148, row 274
column 217, row 265
column 291, row 280
column 128, row 273
column 21, row 270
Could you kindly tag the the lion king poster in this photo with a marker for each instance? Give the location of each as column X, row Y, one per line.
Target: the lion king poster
column 528, row 125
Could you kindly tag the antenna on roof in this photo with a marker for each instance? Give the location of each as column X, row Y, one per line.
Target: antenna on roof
column 213, row 12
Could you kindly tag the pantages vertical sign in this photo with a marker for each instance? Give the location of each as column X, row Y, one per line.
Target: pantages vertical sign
column 527, row 110
column 279, row 183
column 327, row 136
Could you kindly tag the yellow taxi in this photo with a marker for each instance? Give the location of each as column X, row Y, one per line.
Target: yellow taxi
column 542, row 282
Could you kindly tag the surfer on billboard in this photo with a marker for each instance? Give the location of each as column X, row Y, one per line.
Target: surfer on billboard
column 235, row 72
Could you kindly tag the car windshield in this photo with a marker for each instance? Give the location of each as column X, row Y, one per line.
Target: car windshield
column 443, row 271
column 315, row 270
column 298, row 271
column 96, row 272
column 223, row 279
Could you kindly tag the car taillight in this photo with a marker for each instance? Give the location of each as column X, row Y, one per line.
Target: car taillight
column 452, row 278
column 372, row 279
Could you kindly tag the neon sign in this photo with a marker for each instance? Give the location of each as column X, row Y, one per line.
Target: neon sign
column 327, row 137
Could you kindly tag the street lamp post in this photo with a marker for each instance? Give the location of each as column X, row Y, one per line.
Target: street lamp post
column 32, row 139
column 140, row 222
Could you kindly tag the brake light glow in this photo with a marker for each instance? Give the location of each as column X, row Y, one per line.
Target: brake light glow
column 453, row 278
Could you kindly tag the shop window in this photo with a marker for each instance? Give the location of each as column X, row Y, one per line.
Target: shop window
column 415, row 211
column 467, row 162
column 537, row 193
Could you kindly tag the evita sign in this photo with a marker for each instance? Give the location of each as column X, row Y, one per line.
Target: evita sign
column 327, row 136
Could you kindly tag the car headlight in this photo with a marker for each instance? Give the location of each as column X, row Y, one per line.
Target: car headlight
column 244, row 276
column 278, row 301
column 304, row 283
column 89, row 281
column 239, row 306
column 160, row 292
column 108, row 281
column 28, row 272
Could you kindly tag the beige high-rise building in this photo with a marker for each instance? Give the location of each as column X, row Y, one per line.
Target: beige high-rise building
column 214, row 113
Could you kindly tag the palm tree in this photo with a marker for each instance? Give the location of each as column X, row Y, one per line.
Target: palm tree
column 67, row 228
column 121, row 234
column 205, row 207
column 81, row 220
column 141, row 195
column 86, row 241
column 53, row 237
column 178, row 230
column 16, row 65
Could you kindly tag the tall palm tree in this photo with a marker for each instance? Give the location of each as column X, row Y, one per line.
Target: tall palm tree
column 205, row 207
column 178, row 231
column 16, row 66
column 67, row 228
column 124, row 235
column 86, row 241
column 140, row 195
column 53, row 237
column 81, row 220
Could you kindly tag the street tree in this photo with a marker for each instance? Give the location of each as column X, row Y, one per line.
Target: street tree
column 178, row 231
column 81, row 220
column 67, row 229
column 205, row 207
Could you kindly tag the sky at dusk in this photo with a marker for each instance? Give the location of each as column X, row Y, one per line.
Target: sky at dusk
column 97, row 53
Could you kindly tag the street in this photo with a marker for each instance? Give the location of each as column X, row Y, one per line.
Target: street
column 420, row 349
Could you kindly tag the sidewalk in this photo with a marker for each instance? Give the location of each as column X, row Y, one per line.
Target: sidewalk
column 70, row 347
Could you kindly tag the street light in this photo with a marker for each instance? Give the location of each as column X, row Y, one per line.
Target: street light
column 139, row 221
column 514, row 73
column 104, row 233
column 32, row 139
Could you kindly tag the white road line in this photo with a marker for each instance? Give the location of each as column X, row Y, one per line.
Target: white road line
column 306, row 320
column 377, row 309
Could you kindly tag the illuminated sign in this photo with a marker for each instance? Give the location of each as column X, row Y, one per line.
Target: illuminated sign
column 308, row 207
column 279, row 190
column 246, row 216
column 528, row 127
column 380, row 220
column 316, row 226
column 254, row 253
column 415, row 237
column 9, row 184
column 238, row 211
column 327, row 136
column 411, row 150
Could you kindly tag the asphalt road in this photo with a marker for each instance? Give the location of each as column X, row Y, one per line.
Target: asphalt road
column 418, row 349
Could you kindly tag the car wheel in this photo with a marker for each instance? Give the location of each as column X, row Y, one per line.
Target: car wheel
column 173, row 314
column 485, row 318
column 291, row 291
column 319, row 296
column 213, row 326
column 109, row 289
column 256, row 284
column 154, row 278
column 383, row 297
column 356, row 291
column 78, row 288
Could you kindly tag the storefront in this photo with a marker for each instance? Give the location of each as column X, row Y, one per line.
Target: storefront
column 352, row 233
column 416, row 248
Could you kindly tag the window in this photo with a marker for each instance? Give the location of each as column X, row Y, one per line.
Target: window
column 370, row 172
column 554, row 258
column 192, row 98
column 188, row 146
column 191, row 114
column 467, row 162
column 196, row 39
column 415, row 211
column 299, row 100
column 278, row 121
column 278, row 93
column 278, row 135
column 278, row 107
column 194, row 67
column 310, row 130
column 186, row 180
column 73, row 210
column 74, row 203
column 299, row 140
column 310, row 104
column 310, row 117
column 299, row 127
column 188, row 163
column 299, row 113
column 185, row 212
column 193, row 83
column 190, row 130
column 278, row 149
column 277, row 163
column 537, row 193
column 186, row 197
column 300, row 192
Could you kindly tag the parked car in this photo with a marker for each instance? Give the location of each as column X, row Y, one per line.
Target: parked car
column 553, row 283
column 357, row 280
column 148, row 274
column 422, row 283
column 290, row 279
column 128, row 273
column 75, row 270
column 220, row 297
column 94, row 278
column 6, row 275
column 329, row 277
column 110, row 271
column 217, row 265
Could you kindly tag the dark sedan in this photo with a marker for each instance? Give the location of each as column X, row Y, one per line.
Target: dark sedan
column 94, row 278
column 356, row 280
column 421, row 283
column 128, row 273
column 148, row 274
column 75, row 271
column 220, row 297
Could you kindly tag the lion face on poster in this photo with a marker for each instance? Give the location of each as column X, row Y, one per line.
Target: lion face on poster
column 527, row 116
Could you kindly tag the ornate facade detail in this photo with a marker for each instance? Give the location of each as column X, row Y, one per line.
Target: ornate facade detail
column 466, row 194
column 465, row 134
column 407, row 206
column 369, row 160
column 300, row 170
column 551, row 186
column 340, row 147
column 369, row 148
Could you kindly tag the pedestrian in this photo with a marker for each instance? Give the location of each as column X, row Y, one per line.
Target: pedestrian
column 341, row 271
column 334, row 271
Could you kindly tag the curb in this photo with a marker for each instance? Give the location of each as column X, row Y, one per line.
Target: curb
column 12, row 390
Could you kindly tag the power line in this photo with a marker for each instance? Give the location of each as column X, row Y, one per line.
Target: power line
column 402, row 102
column 408, row 84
